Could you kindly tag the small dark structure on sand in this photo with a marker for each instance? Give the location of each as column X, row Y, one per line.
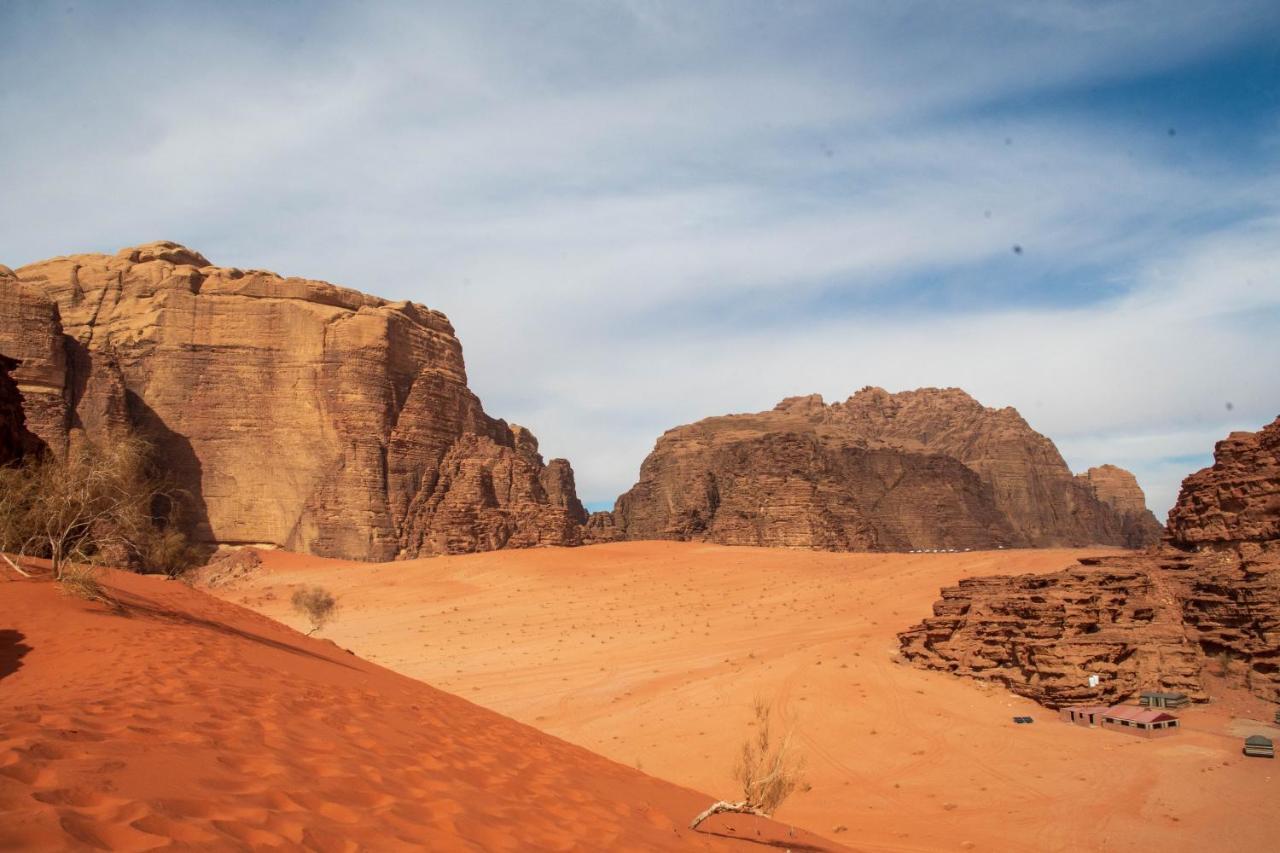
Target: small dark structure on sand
column 1259, row 747
column 1161, row 699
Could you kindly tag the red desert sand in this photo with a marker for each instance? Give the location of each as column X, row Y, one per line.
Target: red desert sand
column 187, row 721
column 651, row 653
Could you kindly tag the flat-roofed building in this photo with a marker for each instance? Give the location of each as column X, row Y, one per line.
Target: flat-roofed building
column 1161, row 699
column 1083, row 715
column 1143, row 722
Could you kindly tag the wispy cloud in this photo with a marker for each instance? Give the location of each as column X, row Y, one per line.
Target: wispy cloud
column 642, row 213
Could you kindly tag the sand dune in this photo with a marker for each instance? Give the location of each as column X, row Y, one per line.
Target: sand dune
column 185, row 720
column 650, row 653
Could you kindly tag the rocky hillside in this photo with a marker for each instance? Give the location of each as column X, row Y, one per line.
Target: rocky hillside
column 1138, row 622
column 931, row 468
column 1237, row 499
column 295, row 413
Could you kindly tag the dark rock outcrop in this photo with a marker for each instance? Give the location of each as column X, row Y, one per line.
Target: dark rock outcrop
column 295, row 413
column 1235, row 500
column 1154, row 620
column 16, row 442
column 922, row 469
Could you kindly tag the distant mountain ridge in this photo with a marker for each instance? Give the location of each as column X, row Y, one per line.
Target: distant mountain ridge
column 924, row 469
column 303, row 415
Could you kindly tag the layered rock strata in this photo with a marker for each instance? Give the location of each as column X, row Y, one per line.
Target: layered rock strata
column 1119, row 488
column 922, row 469
column 295, row 413
column 1235, row 500
column 1155, row 620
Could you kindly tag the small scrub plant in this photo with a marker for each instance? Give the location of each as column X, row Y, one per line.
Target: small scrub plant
column 768, row 769
column 1223, row 659
column 81, row 581
column 317, row 604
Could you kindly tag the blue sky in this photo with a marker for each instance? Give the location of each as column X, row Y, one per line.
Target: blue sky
column 638, row 214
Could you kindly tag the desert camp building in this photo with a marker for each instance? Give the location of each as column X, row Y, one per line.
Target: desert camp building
column 1143, row 722
column 1084, row 715
column 1160, row 699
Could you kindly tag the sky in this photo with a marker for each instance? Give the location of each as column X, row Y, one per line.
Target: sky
column 638, row 214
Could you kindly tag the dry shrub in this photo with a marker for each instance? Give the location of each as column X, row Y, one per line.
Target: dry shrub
column 768, row 769
column 105, row 504
column 317, row 604
column 81, row 581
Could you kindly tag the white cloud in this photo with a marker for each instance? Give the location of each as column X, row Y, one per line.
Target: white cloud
column 639, row 214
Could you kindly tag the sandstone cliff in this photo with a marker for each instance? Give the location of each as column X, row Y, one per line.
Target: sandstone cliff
column 1138, row 622
column 294, row 412
column 1120, row 489
column 1235, row 500
column 927, row 469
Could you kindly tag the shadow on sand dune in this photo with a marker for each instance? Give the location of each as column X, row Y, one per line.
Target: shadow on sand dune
column 12, row 651
column 764, row 842
column 129, row 606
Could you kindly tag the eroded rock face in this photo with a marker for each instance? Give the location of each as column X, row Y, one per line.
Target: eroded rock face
column 1235, row 500
column 1149, row 621
column 31, row 333
column 1042, row 636
column 931, row 468
column 1120, row 489
column 1153, row 621
column 296, row 413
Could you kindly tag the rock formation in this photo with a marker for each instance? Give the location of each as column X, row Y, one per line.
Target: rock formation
column 1235, row 500
column 1155, row 620
column 295, row 413
column 1120, row 489
column 922, row 469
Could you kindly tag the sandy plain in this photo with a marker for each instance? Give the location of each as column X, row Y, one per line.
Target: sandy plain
column 179, row 721
column 651, row 653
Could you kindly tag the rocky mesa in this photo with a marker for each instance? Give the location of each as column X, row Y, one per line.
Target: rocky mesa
column 924, row 469
column 1156, row 620
column 294, row 413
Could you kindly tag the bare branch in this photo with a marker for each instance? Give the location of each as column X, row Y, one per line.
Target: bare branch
column 14, row 565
